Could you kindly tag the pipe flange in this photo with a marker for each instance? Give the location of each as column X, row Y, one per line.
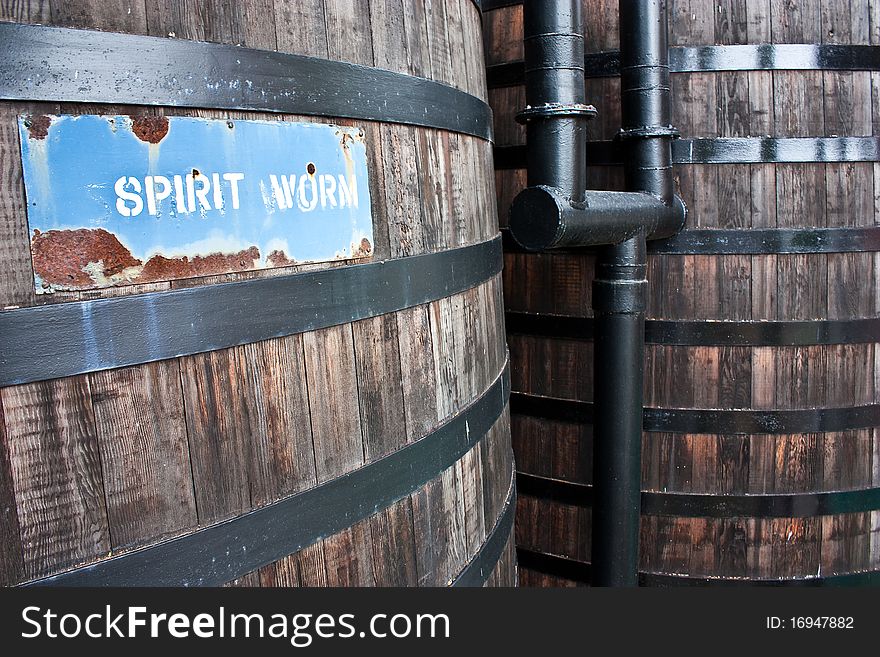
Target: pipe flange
column 648, row 132
column 555, row 111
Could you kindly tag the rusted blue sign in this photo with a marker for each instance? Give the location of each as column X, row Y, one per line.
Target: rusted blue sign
column 116, row 200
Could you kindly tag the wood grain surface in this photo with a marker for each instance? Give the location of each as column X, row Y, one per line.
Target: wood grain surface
column 99, row 464
column 730, row 287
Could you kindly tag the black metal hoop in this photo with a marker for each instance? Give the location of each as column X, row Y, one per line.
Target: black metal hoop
column 213, row 555
column 710, row 421
column 64, row 339
column 771, row 333
column 84, row 66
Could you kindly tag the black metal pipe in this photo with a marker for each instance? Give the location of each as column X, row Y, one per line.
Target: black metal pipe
column 620, row 297
column 619, row 300
column 557, row 211
column 555, row 114
column 601, row 217
column 647, row 131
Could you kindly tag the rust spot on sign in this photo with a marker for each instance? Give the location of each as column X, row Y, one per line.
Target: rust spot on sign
column 38, row 126
column 70, row 259
column 85, row 258
column 151, row 129
column 364, row 249
column 160, row 268
column 278, row 258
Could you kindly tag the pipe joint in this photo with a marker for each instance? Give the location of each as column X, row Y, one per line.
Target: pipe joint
column 620, row 297
column 556, row 111
column 542, row 218
column 554, row 50
column 649, row 132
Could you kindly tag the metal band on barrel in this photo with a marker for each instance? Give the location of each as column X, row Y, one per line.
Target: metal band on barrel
column 83, row 66
column 754, row 241
column 710, row 421
column 769, row 333
column 695, row 505
column 64, row 339
column 213, row 555
column 727, row 150
column 579, row 571
column 770, row 241
column 719, row 58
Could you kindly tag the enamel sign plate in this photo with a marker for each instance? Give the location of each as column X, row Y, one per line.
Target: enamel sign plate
column 116, row 200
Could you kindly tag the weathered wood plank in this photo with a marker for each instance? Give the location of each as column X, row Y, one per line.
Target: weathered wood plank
column 220, row 419
column 11, row 557
column 283, row 446
column 332, row 392
column 349, row 36
column 380, row 393
column 127, row 16
column 348, row 557
column 145, row 459
column 403, row 191
column 300, row 27
column 17, row 283
column 394, row 545
column 56, row 472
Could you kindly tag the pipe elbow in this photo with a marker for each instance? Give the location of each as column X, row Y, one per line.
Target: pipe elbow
column 673, row 220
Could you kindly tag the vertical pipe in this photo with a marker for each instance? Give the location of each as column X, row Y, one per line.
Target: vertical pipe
column 619, row 294
column 555, row 116
column 647, row 131
column 620, row 298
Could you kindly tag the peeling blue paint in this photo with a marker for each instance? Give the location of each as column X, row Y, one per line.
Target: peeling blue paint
column 207, row 186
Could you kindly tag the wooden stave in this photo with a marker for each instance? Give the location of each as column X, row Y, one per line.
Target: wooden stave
column 436, row 322
column 568, row 276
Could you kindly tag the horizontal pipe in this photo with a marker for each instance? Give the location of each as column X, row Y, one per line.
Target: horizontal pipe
column 542, row 218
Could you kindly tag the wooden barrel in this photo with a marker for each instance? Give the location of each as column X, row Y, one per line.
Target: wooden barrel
column 760, row 451
column 239, row 416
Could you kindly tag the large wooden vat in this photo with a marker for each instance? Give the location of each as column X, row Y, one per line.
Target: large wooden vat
column 760, row 451
column 281, row 442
